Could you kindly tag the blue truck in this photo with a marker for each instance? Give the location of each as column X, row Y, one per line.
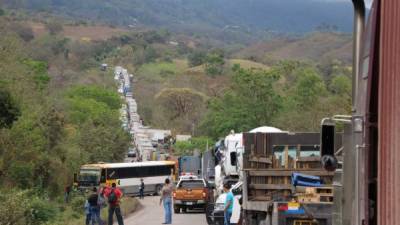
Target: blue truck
column 190, row 165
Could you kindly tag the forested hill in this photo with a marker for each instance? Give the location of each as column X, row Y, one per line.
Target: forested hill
column 294, row 16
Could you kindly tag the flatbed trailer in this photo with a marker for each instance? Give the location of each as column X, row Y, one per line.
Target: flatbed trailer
column 269, row 197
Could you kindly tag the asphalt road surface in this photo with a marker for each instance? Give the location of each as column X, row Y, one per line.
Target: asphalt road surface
column 151, row 213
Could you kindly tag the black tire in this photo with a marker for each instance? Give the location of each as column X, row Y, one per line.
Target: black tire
column 177, row 210
column 184, row 210
column 158, row 189
column 209, row 210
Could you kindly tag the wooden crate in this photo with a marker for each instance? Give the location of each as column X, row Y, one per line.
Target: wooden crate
column 316, row 194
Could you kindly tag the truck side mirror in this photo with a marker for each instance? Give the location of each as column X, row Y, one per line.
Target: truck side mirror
column 328, row 159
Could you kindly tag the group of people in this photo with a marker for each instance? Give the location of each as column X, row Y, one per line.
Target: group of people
column 98, row 200
column 111, row 196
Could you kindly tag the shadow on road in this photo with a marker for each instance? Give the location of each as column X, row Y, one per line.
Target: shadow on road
column 194, row 211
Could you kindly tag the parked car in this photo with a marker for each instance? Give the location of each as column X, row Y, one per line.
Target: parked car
column 215, row 212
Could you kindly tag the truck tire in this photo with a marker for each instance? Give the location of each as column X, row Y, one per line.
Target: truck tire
column 158, row 189
column 177, row 210
column 250, row 219
column 209, row 210
column 184, row 210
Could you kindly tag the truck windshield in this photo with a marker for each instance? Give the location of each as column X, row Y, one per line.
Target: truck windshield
column 92, row 176
column 191, row 184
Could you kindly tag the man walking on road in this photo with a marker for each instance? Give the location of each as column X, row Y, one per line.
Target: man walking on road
column 166, row 199
column 228, row 206
column 141, row 189
column 113, row 197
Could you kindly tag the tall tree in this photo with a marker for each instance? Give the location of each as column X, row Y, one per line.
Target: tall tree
column 251, row 101
column 180, row 102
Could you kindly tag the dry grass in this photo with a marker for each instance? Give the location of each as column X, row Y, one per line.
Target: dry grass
column 247, row 64
column 197, row 70
column 83, row 33
column 128, row 206
column 315, row 47
column 91, row 32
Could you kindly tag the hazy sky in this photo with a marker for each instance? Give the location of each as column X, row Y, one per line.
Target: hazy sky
column 367, row 2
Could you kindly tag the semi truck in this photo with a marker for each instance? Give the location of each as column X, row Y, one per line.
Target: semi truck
column 230, row 159
column 367, row 187
column 277, row 168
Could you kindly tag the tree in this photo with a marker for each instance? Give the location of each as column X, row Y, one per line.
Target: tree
column 143, row 55
column 214, row 64
column 99, row 94
column 180, row 102
column 100, row 143
column 307, row 101
column 39, row 69
column 9, row 112
column 309, row 86
column 24, row 32
column 54, row 27
column 341, row 85
column 251, row 101
column 194, row 144
column 197, row 58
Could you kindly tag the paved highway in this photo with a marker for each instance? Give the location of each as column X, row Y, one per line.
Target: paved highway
column 152, row 213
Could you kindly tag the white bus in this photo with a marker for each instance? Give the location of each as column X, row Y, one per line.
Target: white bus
column 127, row 175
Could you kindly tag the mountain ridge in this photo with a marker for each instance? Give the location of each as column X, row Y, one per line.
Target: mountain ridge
column 287, row 16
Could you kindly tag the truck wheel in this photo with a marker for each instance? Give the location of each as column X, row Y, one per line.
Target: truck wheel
column 158, row 189
column 177, row 210
column 209, row 210
column 184, row 210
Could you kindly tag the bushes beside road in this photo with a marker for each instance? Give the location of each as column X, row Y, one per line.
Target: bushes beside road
column 27, row 207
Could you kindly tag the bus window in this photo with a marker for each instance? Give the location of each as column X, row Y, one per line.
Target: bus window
column 89, row 176
column 103, row 176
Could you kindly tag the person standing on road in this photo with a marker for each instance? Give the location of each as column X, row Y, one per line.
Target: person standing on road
column 87, row 212
column 101, row 200
column 141, row 189
column 94, row 207
column 166, row 199
column 228, row 206
column 113, row 197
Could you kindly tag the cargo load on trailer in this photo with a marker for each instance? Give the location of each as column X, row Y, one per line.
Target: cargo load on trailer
column 283, row 181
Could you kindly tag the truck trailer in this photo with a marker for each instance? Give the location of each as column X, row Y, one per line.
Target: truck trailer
column 271, row 162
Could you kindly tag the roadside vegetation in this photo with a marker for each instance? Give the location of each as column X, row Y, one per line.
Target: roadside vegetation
column 55, row 114
column 59, row 111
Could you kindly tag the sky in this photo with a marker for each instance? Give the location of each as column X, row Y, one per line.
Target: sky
column 367, row 2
